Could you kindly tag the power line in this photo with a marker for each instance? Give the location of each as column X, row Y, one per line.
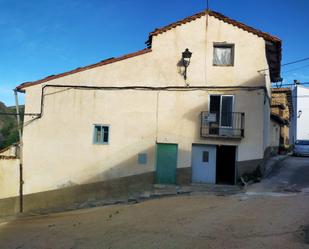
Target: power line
column 147, row 88
column 293, row 62
column 294, row 69
column 286, row 64
column 15, row 114
column 293, row 84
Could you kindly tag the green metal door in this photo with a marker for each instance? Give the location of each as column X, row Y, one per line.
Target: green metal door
column 166, row 163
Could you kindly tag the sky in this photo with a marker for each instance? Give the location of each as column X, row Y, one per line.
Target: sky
column 45, row 37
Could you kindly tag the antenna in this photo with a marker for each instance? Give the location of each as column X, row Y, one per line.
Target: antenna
column 207, row 4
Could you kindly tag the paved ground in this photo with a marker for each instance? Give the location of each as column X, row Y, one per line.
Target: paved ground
column 292, row 176
column 272, row 214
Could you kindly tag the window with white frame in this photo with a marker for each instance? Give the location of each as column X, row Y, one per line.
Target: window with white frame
column 101, row 134
column 223, row 54
column 222, row 106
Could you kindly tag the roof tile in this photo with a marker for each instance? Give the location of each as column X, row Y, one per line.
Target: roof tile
column 221, row 17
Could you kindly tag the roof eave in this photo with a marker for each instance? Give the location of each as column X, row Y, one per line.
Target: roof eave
column 21, row 87
column 217, row 15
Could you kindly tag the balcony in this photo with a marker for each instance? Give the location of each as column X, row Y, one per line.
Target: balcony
column 222, row 124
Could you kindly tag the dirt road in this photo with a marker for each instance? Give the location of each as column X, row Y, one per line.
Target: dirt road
column 196, row 221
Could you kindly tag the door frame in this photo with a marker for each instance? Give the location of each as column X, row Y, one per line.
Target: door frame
column 235, row 162
column 236, row 168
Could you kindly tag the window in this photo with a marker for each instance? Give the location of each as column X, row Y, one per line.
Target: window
column 223, row 54
column 205, row 157
column 226, row 110
column 101, row 134
column 222, row 106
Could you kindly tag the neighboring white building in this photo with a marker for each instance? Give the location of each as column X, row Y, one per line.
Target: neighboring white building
column 122, row 124
column 300, row 119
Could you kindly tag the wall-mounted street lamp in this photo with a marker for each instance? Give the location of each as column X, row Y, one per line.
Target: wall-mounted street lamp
column 300, row 112
column 186, row 57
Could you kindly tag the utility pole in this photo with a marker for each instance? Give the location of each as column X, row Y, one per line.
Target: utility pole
column 21, row 181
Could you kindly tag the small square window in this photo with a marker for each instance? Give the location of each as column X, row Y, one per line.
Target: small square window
column 223, row 54
column 205, row 156
column 101, row 134
column 142, row 158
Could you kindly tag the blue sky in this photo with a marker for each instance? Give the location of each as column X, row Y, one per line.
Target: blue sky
column 43, row 37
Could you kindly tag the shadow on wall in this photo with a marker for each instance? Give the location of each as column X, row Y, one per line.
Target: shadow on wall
column 258, row 80
column 96, row 189
column 180, row 68
column 194, row 115
column 128, row 167
column 131, row 167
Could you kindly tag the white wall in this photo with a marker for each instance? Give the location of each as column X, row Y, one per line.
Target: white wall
column 302, row 122
column 293, row 116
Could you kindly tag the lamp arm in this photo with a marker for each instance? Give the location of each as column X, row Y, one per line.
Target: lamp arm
column 185, row 72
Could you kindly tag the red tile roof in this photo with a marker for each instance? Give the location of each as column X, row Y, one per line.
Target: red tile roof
column 80, row 69
column 221, row 17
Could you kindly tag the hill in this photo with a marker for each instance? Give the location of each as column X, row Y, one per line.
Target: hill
column 8, row 126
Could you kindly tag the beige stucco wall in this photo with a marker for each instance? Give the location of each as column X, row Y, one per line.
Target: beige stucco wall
column 249, row 53
column 9, row 177
column 62, row 138
column 9, row 172
column 159, row 67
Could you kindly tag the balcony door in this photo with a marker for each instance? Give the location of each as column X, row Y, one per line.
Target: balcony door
column 222, row 106
column 226, row 109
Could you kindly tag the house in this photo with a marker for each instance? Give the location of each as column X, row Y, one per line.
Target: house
column 9, row 175
column 300, row 117
column 281, row 111
column 194, row 106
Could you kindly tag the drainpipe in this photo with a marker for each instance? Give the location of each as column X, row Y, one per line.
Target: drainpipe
column 21, row 181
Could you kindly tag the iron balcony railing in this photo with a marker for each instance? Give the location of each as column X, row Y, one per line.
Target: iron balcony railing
column 222, row 124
